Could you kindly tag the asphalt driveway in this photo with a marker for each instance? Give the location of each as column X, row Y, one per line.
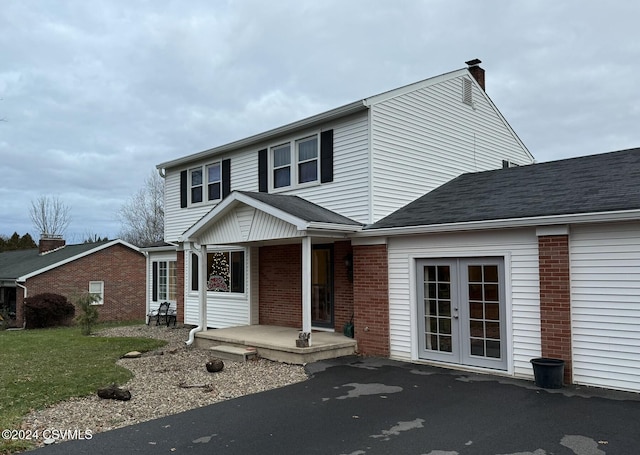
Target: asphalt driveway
column 372, row 406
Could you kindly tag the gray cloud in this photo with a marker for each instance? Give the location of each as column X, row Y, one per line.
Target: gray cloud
column 94, row 94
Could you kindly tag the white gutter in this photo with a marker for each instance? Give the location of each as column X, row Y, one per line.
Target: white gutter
column 201, row 252
column 338, row 112
column 595, row 217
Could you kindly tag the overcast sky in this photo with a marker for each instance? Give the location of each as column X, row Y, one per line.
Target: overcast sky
column 94, row 94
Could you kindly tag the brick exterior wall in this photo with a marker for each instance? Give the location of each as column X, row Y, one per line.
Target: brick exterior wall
column 555, row 300
column 122, row 270
column 280, row 288
column 280, row 285
column 342, row 285
column 371, row 299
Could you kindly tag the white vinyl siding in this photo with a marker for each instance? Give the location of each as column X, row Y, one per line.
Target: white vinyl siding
column 423, row 138
column 605, row 305
column 223, row 309
column 350, row 177
column 348, row 194
column 520, row 251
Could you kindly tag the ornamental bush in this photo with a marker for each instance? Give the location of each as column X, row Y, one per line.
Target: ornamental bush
column 88, row 316
column 47, row 310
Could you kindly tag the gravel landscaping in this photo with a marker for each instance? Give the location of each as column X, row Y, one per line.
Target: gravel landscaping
column 167, row 381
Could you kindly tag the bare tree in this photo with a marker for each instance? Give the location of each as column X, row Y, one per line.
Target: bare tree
column 50, row 215
column 142, row 218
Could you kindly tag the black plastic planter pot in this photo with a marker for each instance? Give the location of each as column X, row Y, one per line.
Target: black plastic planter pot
column 548, row 373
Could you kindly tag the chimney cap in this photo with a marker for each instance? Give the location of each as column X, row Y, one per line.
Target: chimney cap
column 474, row 62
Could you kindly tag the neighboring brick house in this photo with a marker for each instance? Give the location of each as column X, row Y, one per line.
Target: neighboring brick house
column 114, row 270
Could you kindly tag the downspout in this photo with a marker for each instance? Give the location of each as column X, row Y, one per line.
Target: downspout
column 24, row 296
column 201, row 252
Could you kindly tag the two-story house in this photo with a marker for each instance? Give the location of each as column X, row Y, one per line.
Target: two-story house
column 266, row 226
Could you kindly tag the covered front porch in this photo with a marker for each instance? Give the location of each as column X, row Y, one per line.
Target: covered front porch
column 279, row 343
column 284, row 288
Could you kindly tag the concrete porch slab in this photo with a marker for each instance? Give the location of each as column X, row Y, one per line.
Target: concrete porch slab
column 279, row 343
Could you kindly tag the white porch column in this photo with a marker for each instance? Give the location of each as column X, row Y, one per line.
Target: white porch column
column 202, row 276
column 306, row 286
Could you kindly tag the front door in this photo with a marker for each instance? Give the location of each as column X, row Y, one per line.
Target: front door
column 461, row 311
column 322, row 286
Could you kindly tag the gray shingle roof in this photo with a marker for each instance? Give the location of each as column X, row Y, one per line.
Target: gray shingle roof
column 14, row 264
column 301, row 208
column 589, row 184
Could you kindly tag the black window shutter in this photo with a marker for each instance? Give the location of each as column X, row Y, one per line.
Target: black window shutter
column 194, row 272
column 226, row 178
column 326, row 156
column 154, row 297
column 183, row 189
column 263, row 172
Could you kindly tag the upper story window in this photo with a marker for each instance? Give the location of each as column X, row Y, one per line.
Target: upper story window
column 209, row 175
column 295, row 162
column 196, row 185
column 210, row 182
column 281, row 165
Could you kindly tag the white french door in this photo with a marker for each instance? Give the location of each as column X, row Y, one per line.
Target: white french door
column 461, row 311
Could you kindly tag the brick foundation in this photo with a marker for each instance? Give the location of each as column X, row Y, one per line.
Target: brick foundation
column 555, row 300
column 371, row 299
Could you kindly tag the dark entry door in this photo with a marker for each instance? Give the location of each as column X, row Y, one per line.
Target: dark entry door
column 322, row 286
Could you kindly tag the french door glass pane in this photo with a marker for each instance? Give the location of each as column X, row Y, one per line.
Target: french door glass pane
column 484, row 311
column 437, row 308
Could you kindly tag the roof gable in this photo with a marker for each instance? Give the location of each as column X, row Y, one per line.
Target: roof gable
column 607, row 182
column 240, row 216
column 23, row 264
column 323, row 117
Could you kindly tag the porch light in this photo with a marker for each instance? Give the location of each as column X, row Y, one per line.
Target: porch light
column 348, row 263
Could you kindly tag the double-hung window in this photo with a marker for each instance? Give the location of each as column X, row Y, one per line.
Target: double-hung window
column 165, row 279
column 281, row 165
column 96, row 289
column 214, row 182
column 307, row 150
column 196, row 185
column 295, row 162
column 206, row 181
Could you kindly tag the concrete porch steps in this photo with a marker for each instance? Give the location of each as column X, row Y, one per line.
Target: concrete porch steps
column 234, row 353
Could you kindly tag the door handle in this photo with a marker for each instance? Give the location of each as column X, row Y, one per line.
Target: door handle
column 455, row 313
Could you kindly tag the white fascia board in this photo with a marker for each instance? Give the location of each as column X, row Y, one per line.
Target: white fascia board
column 414, row 86
column 308, row 122
column 78, row 256
column 578, row 218
column 191, row 234
column 334, row 227
column 170, row 247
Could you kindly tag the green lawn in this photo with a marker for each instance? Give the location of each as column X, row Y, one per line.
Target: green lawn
column 41, row 367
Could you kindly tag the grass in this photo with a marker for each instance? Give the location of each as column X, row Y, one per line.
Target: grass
column 39, row 368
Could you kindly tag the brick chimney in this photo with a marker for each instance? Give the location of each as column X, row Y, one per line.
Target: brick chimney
column 476, row 71
column 49, row 242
